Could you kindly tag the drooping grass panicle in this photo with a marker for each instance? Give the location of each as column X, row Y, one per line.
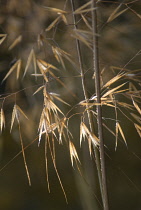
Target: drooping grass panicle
column 63, row 43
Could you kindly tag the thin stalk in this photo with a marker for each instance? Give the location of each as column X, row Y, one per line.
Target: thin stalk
column 23, row 153
column 90, row 116
column 99, row 108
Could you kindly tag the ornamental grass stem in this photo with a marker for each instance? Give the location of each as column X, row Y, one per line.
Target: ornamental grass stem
column 99, row 108
column 89, row 114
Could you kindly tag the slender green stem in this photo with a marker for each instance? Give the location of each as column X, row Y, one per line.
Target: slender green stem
column 99, row 108
column 90, row 116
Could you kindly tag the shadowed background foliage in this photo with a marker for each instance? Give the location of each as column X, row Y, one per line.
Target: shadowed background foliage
column 119, row 42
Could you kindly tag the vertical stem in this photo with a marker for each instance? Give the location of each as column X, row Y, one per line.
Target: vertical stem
column 90, row 116
column 99, row 108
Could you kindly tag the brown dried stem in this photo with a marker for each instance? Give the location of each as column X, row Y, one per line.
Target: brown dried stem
column 90, row 117
column 99, row 108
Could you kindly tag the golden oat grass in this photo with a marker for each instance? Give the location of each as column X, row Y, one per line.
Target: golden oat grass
column 120, row 93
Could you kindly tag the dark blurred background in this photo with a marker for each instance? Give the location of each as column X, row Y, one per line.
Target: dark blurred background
column 119, row 42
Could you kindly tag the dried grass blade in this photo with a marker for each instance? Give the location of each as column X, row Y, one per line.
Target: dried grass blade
column 2, row 119
column 56, row 54
column 121, row 91
column 83, row 132
column 46, row 159
column 136, row 117
column 51, row 106
column 84, row 11
column 34, row 63
column 81, row 38
column 61, row 128
column 53, row 160
column 2, row 38
column 40, row 88
column 112, row 90
column 114, row 79
column 137, row 14
column 25, row 164
column 58, row 11
column 58, row 57
column 86, row 22
column 107, row 104
column 89, row 104
column 114, row 14
column 59, row 53
column 42, row 70
column 17, row 41
column 117, row 128
column 90, row 145
column 83, row 6
column 19, row 68
column 64, row 19
column 11, row 69
column 14, row 114
column 52, row 127
column 53, row 24
column 73, row 153
column 80, row 31
column 94, row 139
column 37, row 75
column 46, row 66
column 121, row 132
column 30, row 57
column 123, row 104
column 138, row 128
column 59, row 99
column 136, row 106
column 21, row 111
